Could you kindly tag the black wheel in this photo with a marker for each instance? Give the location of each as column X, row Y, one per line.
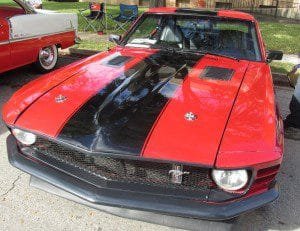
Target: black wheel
column 47, row 59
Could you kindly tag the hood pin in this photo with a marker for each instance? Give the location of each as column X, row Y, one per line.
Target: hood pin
column 190, row 116
column 60, row 99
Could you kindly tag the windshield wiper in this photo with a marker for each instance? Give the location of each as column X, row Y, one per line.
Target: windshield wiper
column 168, row 49
column 186, row 51
column 208, row 53
column 225, row 56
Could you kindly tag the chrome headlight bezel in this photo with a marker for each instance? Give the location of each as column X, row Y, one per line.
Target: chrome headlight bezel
column 24, row 137
column 230, row 180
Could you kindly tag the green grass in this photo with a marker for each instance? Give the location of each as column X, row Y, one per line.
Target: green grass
column 281, row 36
column 281, row 67
column 93, row 45
column 73, row 7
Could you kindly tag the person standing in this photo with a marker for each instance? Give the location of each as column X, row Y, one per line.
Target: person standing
column 292, row 121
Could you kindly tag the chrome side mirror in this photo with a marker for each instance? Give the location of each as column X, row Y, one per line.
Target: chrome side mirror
column 114, row 38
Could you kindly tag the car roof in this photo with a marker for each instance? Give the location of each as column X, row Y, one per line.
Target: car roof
column 221, row 13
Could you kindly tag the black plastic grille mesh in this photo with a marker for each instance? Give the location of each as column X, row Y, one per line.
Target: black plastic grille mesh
column 126, row 170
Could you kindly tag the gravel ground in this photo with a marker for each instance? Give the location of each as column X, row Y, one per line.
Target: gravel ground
column 26, row 208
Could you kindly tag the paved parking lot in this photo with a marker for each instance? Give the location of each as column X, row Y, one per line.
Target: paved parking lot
column 26, row 208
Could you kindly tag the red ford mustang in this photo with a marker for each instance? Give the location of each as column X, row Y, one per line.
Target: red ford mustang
column 179, row 118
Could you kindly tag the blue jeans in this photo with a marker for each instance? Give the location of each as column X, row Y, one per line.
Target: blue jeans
column 293, row 119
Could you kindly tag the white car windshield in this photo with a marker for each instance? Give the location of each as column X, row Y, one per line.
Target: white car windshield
column 229, row 37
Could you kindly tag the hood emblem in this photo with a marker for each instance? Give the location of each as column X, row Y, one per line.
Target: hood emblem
column 60, row 99
column 190, row 116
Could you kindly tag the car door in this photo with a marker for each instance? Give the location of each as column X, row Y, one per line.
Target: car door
column 5, row 60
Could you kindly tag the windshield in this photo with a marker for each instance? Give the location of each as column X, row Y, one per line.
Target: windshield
column 234, row 38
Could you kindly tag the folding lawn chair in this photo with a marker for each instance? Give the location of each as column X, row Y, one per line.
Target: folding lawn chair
column 128, row 13
column 95, row 19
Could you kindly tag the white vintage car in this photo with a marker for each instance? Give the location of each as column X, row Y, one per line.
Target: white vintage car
column 29, row 35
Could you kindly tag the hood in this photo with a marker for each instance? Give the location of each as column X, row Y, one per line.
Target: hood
column 150, row 103
column 32, row 91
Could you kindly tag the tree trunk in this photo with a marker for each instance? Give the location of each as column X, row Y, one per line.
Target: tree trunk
column 276, row 10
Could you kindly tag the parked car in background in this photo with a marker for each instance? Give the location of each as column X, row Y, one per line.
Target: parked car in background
column 179, row 118
column 29, row 35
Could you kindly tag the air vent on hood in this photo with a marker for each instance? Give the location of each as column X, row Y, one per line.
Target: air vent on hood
column 217, row 73
column 118, row 60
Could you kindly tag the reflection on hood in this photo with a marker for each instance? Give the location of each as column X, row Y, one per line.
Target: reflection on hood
column 119, row 117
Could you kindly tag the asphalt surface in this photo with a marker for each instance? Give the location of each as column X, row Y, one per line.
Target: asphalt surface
column 26, row 208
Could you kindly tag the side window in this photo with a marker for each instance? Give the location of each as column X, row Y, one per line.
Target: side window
column 148, row 29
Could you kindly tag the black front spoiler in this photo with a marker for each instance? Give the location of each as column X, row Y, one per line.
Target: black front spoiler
column 155, row 218
column 134, row 200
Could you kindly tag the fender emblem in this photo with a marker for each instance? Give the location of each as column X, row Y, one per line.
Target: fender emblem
column 60, row 99
column 190, row 116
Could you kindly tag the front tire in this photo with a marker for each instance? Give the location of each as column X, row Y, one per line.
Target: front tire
column 47, row 59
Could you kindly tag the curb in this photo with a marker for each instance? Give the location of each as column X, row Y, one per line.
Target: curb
column 279, row 79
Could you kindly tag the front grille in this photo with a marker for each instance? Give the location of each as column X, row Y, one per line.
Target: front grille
column 138, row 172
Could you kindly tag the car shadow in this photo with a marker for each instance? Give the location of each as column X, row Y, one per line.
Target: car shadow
column 13, row 80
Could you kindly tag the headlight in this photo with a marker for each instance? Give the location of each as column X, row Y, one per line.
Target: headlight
column 25, row 138
column 230, row 179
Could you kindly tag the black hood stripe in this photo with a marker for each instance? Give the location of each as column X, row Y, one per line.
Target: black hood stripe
column 119, row 117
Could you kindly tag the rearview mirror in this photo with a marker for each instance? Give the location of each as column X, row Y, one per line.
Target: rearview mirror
column 274, row 55
column 114, row 38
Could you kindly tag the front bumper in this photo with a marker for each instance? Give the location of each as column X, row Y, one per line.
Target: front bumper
column 134, row 200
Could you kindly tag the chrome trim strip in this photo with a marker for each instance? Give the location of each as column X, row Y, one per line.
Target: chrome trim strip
column 14, row 40
column 4, row 42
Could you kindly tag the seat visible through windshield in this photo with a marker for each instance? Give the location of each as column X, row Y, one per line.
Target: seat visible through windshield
column 222, row 36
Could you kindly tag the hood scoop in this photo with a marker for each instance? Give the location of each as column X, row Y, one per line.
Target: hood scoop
column 117, row 61
column 217, row 73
